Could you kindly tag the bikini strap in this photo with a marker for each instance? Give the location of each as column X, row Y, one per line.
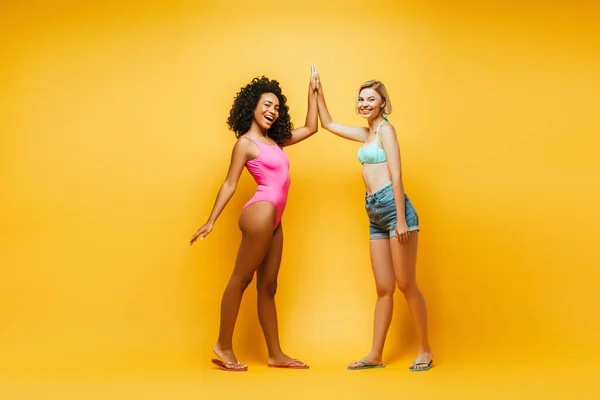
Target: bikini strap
column 248, row 137
column 377, row 131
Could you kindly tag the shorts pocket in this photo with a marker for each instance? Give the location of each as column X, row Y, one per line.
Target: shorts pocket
column 387, row 199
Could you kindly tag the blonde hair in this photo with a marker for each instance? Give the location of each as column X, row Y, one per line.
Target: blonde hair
column 379, row 87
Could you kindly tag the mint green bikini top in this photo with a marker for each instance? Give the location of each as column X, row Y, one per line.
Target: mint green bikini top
column 372, row 153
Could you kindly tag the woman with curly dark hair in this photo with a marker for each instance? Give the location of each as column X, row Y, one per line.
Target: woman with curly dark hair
column 259, row 117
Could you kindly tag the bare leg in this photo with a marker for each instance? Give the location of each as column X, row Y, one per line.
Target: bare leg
column 256, row 224
column 404, row 257
column 385, row 281
column 266, row 287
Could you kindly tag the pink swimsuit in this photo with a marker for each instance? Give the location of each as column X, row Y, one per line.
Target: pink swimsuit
column 271, row 171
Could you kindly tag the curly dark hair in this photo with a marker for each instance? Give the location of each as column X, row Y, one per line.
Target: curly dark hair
column 241, row 114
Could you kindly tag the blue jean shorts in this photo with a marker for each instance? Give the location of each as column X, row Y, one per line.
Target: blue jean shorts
column 381, row 210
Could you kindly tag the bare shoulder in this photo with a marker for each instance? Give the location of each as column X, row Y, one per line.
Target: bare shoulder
column 245, row 147
column 243, row 141
column 387, row 129
column 387, row 132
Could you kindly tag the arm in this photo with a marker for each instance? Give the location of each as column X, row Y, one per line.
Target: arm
column 387, row 136
column 311, row 125
column 239, row 156
column 356, row 133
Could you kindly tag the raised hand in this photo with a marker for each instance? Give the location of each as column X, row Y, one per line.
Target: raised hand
column 314, row 78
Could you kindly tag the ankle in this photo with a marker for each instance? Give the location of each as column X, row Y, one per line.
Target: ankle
column 375, row 356
column 219, row 345
column 276, row 354
column 425, row 350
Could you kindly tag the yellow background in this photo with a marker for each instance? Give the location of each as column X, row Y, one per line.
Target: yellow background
column 114, row 144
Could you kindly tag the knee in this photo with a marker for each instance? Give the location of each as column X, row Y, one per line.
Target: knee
column 407, row 286
column 385, row 290
column 242, row 282
column 269, row 289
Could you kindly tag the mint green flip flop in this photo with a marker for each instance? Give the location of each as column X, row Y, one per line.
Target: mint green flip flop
column 366, row 365
column 428, row 364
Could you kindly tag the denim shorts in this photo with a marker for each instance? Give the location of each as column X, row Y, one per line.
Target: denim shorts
column 381, row 210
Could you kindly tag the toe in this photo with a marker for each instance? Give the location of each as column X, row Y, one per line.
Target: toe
column 298, row 363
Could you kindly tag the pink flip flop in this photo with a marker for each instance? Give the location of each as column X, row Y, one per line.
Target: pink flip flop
column 227, row 366
column 289, row 365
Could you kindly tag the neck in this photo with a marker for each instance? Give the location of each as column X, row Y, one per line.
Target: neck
column 255, row 128
column 375, row 121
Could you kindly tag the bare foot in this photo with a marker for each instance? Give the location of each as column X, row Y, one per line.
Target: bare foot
column 372, row 360
column 283, row 361
column 228, row 358
column 423, row 361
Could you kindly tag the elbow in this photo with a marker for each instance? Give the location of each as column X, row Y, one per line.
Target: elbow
column 229, row 188
column 397, row 179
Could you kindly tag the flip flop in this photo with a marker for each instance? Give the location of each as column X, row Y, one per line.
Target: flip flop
column 226, row 366
column 428, row 364
column 289, row 365
column 366, row 365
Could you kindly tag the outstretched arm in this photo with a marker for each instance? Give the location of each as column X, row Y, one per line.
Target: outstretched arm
column 311, row 125
column 356, row 133
column 239, row 156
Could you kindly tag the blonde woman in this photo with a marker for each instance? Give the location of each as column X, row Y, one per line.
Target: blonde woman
column 394, row 223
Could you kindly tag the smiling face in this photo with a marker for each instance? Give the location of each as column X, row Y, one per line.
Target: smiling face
column 370, row 103
column 267, row 110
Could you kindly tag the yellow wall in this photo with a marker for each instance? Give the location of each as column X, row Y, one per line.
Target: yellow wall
column 114, row 144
